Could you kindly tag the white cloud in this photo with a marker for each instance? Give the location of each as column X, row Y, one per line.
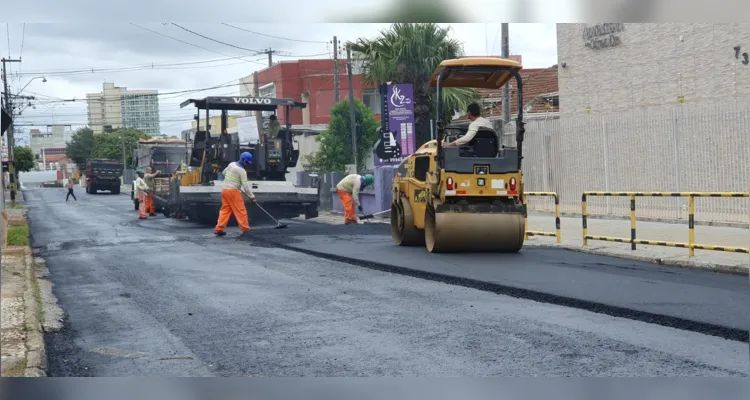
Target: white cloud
column 123, row 53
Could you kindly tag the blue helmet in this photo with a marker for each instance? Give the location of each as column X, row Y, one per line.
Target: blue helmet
column 246, row 157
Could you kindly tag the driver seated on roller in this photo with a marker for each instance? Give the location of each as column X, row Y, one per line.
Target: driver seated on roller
column 473, row 112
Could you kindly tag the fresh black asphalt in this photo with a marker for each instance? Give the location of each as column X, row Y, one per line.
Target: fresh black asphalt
column 164, row 297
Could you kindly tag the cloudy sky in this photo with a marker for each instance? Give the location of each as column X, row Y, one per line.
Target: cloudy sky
column 77, row 58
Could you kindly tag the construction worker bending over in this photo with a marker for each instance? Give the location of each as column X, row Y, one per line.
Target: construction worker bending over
column 232, row 202
column 141, row 190
column 474, row 113
column 348, row 190
column 150, row 179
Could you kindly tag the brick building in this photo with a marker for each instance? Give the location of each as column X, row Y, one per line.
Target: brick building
column 311, row 82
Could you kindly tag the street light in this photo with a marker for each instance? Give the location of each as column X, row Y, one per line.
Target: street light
column 44, row 80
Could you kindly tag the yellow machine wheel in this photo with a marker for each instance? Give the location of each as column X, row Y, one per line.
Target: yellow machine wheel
column 451, row 232
column 403, row 231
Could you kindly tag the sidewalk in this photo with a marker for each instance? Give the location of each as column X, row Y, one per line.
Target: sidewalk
column 571, row 235
column 21, row 339
column 571, row 238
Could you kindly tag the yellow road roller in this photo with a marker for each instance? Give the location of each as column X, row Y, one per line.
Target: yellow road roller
column 466, row 198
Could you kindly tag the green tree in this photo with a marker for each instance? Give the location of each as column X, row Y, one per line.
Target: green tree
column 80, row 147
column 335, row 144
column 23, row 159
column 410, row 53
column 110, row 145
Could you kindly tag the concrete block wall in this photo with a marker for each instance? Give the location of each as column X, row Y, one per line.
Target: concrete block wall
column 652, row 66
column 372, row 199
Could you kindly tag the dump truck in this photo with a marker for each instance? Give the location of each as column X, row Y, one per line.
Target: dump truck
column 468, row 198
column 103, row 174
column 163, row 155
column 196, row 194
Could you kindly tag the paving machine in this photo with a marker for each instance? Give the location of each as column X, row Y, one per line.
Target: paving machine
column 468, row 198
column 197, row 193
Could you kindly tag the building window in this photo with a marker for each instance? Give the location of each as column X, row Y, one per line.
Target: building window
column 371, row 98
column 268, row 90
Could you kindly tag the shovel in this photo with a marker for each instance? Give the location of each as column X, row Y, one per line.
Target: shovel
column 279, row 225
column 370, row 216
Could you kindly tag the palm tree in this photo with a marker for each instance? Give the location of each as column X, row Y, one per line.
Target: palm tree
column 409, row 53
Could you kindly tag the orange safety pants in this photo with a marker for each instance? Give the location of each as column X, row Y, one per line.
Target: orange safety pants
column 348, row 202
column 150, row 205
column 142, row 205
column 232, row 203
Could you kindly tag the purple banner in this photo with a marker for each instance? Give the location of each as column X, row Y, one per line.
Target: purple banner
column 399, row 142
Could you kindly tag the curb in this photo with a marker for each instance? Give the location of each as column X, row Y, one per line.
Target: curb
column 36, row 355
column 719, row 268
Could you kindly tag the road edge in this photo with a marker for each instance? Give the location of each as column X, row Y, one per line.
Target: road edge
column 713, row 267
column 725, row 332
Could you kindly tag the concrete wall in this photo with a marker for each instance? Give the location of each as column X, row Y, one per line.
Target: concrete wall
column 372, row 199
column 650, row 65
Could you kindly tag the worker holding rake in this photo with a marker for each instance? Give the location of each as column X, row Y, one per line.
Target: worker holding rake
column 234, row 184
column 348, row 190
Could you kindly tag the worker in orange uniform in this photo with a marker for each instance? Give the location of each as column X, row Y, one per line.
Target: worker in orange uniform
column 150, row 179
column 141, row 188
column 348, row 190
column 232, row 202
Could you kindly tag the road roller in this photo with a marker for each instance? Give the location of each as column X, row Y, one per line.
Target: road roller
column 467, row 198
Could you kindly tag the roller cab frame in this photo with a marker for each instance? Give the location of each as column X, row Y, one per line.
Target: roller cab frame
column 468, row 198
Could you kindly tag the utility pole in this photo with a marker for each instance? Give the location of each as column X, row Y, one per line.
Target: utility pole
column 352, row 114
column 256, row 93
column 11, row 138
column 506, row 88
column 270, row 52
column 124, row 158
column 335, row 70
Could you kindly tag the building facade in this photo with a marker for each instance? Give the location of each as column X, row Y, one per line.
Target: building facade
column 622, row 66
column 311, row 82
column 119, row 107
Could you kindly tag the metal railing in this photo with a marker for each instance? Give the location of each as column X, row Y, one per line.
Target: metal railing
column 690, row 245
column 691, row 147
column 556, row 233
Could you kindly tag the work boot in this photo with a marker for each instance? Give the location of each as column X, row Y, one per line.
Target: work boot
column 220, row 233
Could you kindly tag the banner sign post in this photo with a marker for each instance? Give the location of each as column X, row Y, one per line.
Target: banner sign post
column 397, row 138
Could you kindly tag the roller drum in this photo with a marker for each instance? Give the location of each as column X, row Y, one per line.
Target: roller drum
column 403, row 231
column 452, row 232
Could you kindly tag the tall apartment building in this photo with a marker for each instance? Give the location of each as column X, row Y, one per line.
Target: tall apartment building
column 119, row 107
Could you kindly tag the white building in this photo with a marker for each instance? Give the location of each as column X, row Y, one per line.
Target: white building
column 119, row 107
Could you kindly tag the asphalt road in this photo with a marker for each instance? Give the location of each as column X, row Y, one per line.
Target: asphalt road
column 689, row 298
column 165, row 297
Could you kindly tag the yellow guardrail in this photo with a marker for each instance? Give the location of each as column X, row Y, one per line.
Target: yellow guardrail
column 690, row 245
column 556, row 233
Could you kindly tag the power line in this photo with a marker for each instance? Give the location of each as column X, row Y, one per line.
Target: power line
column 23, row 38
column 221, row 86
column 194, row 45
column 128, row 67
column 275, row 37
column 214, row 40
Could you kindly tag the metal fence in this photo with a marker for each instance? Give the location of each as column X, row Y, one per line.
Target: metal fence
column 689, row 147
